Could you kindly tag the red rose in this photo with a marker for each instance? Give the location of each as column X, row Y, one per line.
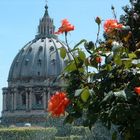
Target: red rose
column 58, row 103
column 137, row 90
column 111, row 24
column 65, row 27
column 98, row 59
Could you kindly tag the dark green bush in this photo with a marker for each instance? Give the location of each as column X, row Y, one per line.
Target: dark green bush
column 72, row 137
column 30, row 133
column 81, row 131
column 76, row 137
column 62, row 138
column 62, row 129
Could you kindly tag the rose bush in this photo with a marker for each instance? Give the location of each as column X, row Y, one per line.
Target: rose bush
column 111, row 93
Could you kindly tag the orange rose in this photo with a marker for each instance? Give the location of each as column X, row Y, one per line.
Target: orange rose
column 98, row 59
column 65, row 27
column 58, row 103
column 111, row 24
column 137, row 90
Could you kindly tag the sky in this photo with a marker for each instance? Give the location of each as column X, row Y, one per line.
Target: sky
column 19, row 20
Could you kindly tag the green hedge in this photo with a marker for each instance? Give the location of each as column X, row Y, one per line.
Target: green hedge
column 69, row 138
column 81, row 131
column 62, row 138
column 27, row 133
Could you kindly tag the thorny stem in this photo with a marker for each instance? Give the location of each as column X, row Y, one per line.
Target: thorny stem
column 72, row 55
column 70, row 50
column 97, row 39
column 132, row 21
column 114, row 13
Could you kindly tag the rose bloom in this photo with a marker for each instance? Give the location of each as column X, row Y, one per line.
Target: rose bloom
column 137, row 90
column 65, row 27
column 98, row 59
column 58, row 103
column 111, row 24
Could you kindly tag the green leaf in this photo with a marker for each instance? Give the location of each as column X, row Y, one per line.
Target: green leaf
column 127, row 135
column 108, row 67
column 109, row 58
column 85, row 94
column 128, row 64
column 82, row 41
column 81, row 70
column 109, row 97
column 114, row 136
column 71, row 67
column 121, row 95
column 132, row 55
column 82, row 55
column 118, row 60
column 78, row 92
column 63, row 52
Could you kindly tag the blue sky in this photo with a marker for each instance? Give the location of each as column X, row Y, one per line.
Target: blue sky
column 19, row 20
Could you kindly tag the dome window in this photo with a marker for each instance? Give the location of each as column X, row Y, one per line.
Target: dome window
column 22, row 50
column 17, row 63
column 26, row 61
column 50, row 40
column 39, row 62
column 40, row 48
column 51, row 48
column 53, row 61
column 30, row 49
column 38, row 73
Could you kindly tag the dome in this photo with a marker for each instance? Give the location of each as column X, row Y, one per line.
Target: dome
column 33, row 77
column 38, row 60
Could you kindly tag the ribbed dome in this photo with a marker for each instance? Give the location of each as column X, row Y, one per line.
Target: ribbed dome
column 33, row 77
column 37, row 60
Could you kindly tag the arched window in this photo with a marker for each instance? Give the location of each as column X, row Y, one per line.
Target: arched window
column 51, row 49
column 39, row 62
column 38, row 99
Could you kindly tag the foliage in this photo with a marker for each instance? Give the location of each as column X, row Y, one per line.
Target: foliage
column 69, row 138
column 106, row 91
column 24, row 133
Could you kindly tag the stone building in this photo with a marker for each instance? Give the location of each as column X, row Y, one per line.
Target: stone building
column 33, row 77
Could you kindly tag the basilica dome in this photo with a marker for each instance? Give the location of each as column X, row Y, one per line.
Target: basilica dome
column 33, row 77
column 37, row 60
column 40, row 58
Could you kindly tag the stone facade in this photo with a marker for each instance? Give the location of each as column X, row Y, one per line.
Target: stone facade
column 33, row 77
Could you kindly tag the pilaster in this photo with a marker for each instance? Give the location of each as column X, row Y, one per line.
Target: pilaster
column 27, row 100
column 30, row 98
column 45, row 98
column 4, row 101
column 15, row 99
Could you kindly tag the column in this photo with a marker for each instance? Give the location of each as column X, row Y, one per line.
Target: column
column 12, row 100
column 27, row 105
column 48, row 94
column 30, row 99
column 4, row 101
column 15, row 99
column 45, row 99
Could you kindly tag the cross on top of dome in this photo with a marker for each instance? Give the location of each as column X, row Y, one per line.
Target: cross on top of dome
column 46, row 9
